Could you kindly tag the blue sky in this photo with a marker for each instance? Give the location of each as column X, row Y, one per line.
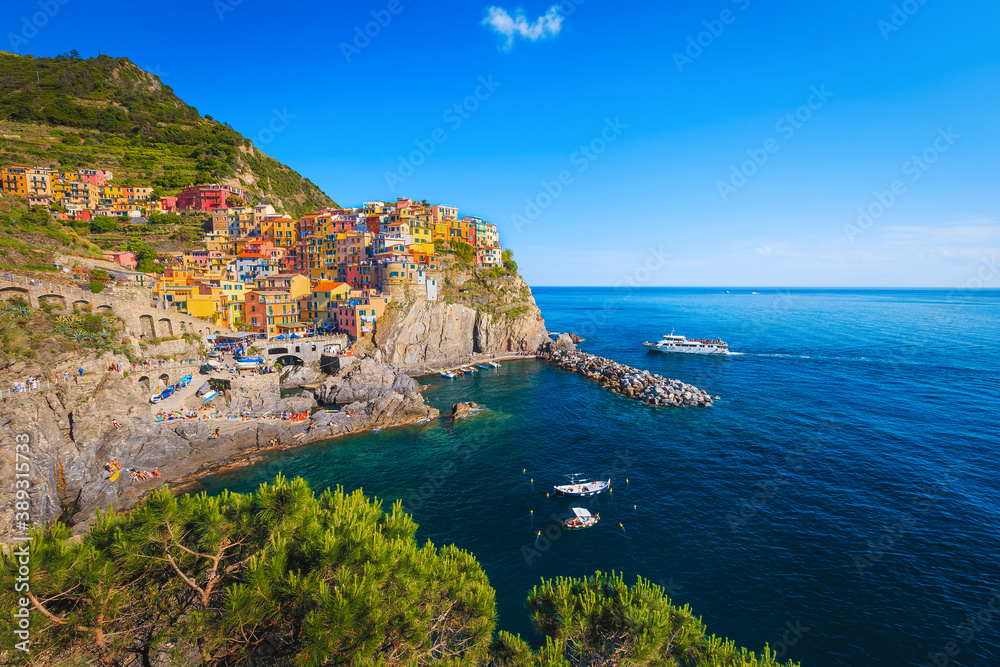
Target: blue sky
column 667, row 123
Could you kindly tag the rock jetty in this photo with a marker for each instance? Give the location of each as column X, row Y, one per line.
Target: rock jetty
column 647, row 387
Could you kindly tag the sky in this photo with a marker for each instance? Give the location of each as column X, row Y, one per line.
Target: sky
column 717, row 143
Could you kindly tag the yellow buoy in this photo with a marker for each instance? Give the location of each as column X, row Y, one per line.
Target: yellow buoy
column 532, row 511
column 524, row 470
column 626, row 480
column 633, row 507
column 532, row 480
column 539, row 533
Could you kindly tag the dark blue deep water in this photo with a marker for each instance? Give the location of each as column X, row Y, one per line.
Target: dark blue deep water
column 843, row 493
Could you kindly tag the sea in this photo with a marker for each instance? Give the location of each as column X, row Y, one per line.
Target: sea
column 839, row 503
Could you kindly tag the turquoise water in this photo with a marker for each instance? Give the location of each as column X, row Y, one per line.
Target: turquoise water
column 842, row 494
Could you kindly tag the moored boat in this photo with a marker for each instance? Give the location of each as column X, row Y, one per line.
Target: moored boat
column 582, row 519
column 580, row 486
column 484, row 366
column 494, row 364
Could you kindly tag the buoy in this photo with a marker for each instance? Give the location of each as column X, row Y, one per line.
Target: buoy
column 626, row 480
column 539, row 533
column 546, row 495
column 532, row 480
column 532, row 512
column 633, row 507
column 524, row 470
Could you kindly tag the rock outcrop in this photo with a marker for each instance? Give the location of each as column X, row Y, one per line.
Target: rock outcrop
column 364, row 381
column 563, row 343
column 435, row 332
column 72, row 435
column 647, row 387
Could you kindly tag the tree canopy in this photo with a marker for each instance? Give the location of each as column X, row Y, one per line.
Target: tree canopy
column 284, row 576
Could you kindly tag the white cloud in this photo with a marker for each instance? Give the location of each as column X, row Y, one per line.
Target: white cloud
column 501, row 22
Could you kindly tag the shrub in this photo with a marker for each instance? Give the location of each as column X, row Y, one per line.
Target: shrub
column 96, row 286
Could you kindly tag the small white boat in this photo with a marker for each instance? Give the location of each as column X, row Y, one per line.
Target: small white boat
column 449, row 374
column 209, row 396
column 155, row 398
column 583, row 519
column 580, row 486
column 494, row 364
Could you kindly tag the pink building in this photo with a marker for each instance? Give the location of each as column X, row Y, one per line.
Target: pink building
column 125, row 259
column 95, row 176
column 362, row 276
column 168, row 204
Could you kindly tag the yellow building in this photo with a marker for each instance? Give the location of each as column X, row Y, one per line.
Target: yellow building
column 286, row 232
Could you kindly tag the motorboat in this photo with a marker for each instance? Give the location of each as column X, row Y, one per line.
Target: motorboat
column 582, row 519
column 580, row 486
column 484, row 366
column 494, row 364
column 209, row 396
column 155, row 398
column 449, row 374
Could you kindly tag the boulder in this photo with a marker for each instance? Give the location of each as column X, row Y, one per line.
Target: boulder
column 563, row 342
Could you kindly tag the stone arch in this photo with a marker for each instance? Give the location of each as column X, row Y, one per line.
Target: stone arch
column 146, row 327
column 278, row 350
column 105, row 310
column 81, row 304
column 14, row 293
column 54, row 299
column 165, row 326
column 289, row 360
column 144, row 382
column 184, row 326
column 165, row 379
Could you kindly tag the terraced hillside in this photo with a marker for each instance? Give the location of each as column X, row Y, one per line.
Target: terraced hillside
column 108, row 113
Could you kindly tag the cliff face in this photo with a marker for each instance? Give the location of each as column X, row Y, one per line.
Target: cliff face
column 473, row 314
column 72, row 436
column 435, row 332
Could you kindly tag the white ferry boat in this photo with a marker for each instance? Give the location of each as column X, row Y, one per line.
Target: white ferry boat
column 675, row 343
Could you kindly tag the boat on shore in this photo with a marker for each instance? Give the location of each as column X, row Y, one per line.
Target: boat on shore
column 580, row 486
column 494, row 364
column 582, row 519
column 675, row 343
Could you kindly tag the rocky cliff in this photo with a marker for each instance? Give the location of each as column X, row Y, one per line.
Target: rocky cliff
column 471, row 316
column 71, row 435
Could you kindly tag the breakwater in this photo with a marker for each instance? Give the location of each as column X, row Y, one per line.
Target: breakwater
column 644, row 386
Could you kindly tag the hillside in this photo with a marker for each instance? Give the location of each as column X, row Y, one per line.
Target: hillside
column 108, row 113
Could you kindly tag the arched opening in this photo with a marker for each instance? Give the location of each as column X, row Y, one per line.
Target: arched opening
column 146, row 327
column 81, row 304
column 165, row 326
column 184, row 325
column 165, row 379
column 297, row 349
column 105, row 310
column 289, row 360
column 52, row 300
column 144, row 383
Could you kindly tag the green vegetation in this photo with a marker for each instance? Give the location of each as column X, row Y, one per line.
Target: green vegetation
column 24, row 331
column 507, row 257
column 285, row 577
column 108, row 113
column 96, row 286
